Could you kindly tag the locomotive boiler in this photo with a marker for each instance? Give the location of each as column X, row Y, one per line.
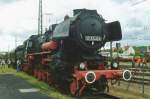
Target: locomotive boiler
column 67, row 55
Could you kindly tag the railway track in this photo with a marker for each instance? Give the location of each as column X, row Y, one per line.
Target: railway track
column 139, row 81
column 135, row 68
column 140, row 69
column 140, row 75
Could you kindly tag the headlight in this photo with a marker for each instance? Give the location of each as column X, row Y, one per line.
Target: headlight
column 82, row 66
column 115, row 65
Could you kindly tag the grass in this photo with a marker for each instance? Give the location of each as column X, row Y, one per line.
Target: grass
column 44, row 88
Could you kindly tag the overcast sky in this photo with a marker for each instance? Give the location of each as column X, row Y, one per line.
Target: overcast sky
column 18, row 18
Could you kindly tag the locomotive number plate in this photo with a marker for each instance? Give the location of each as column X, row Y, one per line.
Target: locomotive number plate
column 93, row 38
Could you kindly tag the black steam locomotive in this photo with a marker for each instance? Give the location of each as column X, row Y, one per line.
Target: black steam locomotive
column 66, row 55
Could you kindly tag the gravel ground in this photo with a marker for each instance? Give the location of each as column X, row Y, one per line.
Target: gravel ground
column 130, row 91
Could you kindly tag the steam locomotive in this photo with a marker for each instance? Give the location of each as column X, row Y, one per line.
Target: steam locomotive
column 67, row 55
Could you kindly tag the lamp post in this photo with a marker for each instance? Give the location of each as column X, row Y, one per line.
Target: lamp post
column 118, row 46
column 111, row 58
column 40, row 18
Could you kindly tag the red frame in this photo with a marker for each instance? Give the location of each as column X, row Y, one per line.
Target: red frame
column 109, row 74
column 79, row 76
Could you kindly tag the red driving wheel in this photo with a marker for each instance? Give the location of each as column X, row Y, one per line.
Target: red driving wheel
column 73, row 87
